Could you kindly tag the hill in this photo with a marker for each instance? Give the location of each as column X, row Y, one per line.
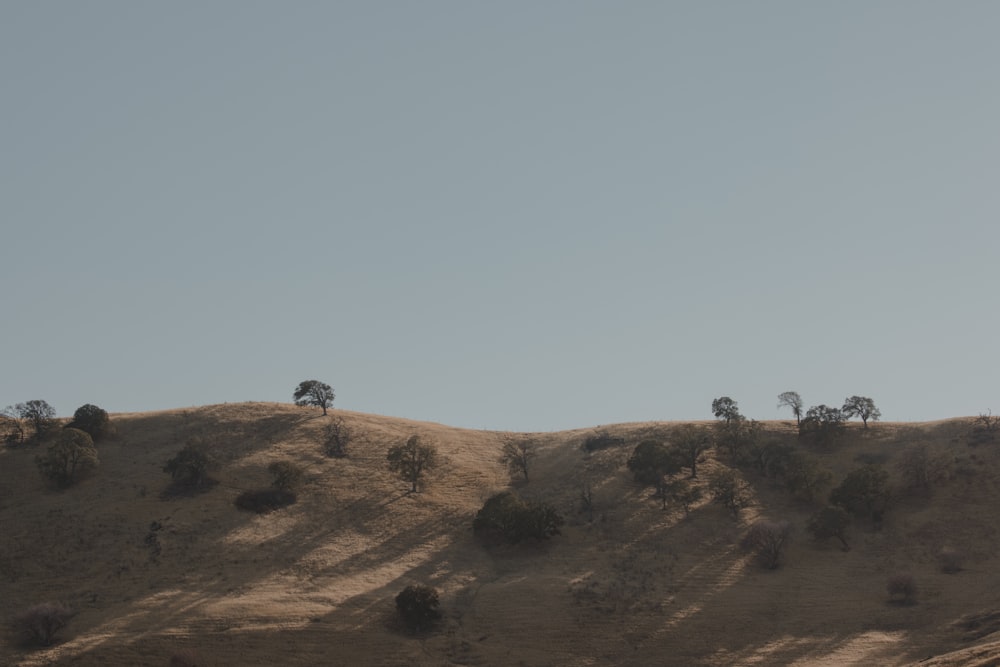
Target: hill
column 635, row 584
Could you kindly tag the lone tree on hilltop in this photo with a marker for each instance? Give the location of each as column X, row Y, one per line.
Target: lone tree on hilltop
column 517, row 454
column 314, row 392
column 93, row 420
column 791, row 399
column 689, row 446
column 39, row 414
column 69, row 456
column 861, row 406
column 411, row 460
column 726, row 409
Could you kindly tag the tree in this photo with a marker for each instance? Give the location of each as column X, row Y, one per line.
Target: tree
column 864, row 492
column 517, row 454
column 411, row 460
column 285, row 475
column 791, row 399
column 726, row 409
column 69, row 456
column 417, row 606
column 11, row 426
column 685, row 494
column 823, row 423
column 40, row 624
column 921, row 468
column 651, row 463
column 335, row 437
column 767, row 539
column 314, row 392
column 689, row 446
column 93, row 420
column 804, row 476
column 39, row 414
column 730, row 490
column 831, row 521
column 191, row 466
column 509, row 517
column 861, row 406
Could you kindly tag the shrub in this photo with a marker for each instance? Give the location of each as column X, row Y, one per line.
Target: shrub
column 417, row 606
column 685, row 494
column 186, row 658
column 951, row 560
column 67, row 458
column 39, row 625
column 93, row 420
column 804, row 477
column 506, row 516
column 864, row 492
column 602, row 440
column 767, row 539
column 263, row 501
column 411, row 460
column 902, row 588
column 336, row 436
column 831, row 521
column 285, row 475
column 651, row 460
column 730, row 490
column 191, row 466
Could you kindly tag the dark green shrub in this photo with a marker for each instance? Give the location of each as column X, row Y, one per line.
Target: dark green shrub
column 418, row 607
column 66, row 459
column 39, row 625
column 507, row 517
column 92, row 420
column 263, row 501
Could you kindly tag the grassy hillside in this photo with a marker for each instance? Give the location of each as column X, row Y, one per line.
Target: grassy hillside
column 314, row 583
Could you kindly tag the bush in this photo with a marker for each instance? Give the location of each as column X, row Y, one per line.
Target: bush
column 93, row 420
column 263, row 501
column 831, row 521
column 507, row 517
column 185, row 659
column 336, row 437
column 730, row 490
column 651, row 460
column 71, row 455
column 417, row 607
column 864, row 492
column 902, row 588
column 767, row 539
column 922, row 468
column 951, row 560
column 285, row 475
column 602, row 440
column 191, row 466
column 40, row 624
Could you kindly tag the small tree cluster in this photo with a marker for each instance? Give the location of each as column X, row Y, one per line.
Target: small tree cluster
column 92, row 420
column 516, row 454
column 36, row 415
column 767, row 539
column 191, row 467
column 418, row 607
column 411, row 460
column 70, row 456
column 730, row 490
column 508, row 517
column 822, row 424
column 39, row 625
column 864, row 492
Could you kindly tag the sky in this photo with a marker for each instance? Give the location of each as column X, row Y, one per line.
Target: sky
column 522, row 215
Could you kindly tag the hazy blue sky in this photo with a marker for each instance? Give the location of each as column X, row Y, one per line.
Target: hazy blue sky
column 519, row 215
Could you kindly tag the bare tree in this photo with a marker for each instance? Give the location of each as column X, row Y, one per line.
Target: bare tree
column 791, row 399
column 768, row 539
column 411, row 460
column 516, row 454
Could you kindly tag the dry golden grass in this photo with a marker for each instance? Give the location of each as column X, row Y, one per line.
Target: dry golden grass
column 313, row 584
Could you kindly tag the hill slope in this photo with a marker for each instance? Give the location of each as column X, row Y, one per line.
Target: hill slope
column 314, row 583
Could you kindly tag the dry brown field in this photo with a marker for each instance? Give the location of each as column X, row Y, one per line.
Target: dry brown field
column 314, row 583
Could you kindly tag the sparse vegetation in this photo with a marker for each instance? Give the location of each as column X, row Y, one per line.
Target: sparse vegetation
column 508, row 517
column 767, row 539
column 315, row 393
column 902, row 588
column 730, row 490
column 92, row 420
column 70, row 456
column 516, row 454
column 418, row 607
column 831, row 521
column 39, row 625
column 411, row 460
